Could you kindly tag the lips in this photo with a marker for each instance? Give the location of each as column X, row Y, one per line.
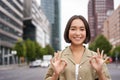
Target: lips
column 77, row 38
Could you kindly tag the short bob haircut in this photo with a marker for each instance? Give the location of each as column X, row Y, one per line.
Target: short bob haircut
column 66, row 32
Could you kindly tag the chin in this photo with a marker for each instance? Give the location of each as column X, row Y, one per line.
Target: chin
column 81, row 43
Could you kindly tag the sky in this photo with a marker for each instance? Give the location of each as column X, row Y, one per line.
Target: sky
column 74, row 7
column 70, row 8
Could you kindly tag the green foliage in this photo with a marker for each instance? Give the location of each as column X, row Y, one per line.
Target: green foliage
column 92, row 46
column 20, row 48
column 116, row 51
column 49, row 50
column 102, row 43
column 43, row 51
column 38, row 50
column 30, row 48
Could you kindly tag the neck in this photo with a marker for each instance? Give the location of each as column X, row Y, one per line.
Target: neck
column 77, row 49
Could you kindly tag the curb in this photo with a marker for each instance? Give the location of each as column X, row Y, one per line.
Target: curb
column 13, row 66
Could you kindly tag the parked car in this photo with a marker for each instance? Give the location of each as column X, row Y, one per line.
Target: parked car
column 36, row 63
column 44, row 64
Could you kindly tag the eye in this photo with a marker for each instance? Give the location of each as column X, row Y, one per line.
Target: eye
column 72, row 28
column 82, row 29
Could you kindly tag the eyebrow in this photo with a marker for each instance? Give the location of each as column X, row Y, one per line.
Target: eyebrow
column 75, row 26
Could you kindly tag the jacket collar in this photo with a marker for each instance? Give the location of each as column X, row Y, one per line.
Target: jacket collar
column 68, row 53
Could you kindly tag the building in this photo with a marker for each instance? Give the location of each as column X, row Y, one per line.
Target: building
column 21, row 19
column 51, row 8
column 111, row 28
column 37, row 27
column 97, row 13
column 11, row 28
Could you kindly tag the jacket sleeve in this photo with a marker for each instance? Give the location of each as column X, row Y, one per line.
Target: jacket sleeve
column 49, row 73
column 106, row 72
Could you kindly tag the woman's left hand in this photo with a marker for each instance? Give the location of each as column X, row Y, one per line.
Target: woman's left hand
column 97, row 61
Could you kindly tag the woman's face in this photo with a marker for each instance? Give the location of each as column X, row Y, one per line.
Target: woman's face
column 77, row 32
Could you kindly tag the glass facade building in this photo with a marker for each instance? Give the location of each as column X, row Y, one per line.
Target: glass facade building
column 51, row 8
column 21, row 19
column 10, row 28
column 36, row 24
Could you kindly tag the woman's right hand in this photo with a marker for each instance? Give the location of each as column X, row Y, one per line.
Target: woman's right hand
column 58, row 64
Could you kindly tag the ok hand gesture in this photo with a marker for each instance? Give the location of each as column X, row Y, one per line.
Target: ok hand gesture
column 98, row 60
column 58, row 64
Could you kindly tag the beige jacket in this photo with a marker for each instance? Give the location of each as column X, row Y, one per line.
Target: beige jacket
column 86, row 72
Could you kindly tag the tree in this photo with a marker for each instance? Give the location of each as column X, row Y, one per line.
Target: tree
column 38, row 50
column 21, row 49
column 49, row 50
column 116, row 52
column 30, row 50
column 102, row 43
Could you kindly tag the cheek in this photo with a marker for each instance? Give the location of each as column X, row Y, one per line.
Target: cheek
column 70, row 34
column 85, row 33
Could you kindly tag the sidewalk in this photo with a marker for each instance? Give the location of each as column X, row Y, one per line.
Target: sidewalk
column 113, row 66
column 12, row 66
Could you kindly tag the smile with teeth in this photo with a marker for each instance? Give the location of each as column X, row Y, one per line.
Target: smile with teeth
column 77, row 38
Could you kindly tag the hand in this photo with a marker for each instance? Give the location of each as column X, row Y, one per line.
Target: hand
column 97, row 61
column 58, row 64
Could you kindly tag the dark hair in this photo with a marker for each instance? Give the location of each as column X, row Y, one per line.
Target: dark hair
column 66, row 32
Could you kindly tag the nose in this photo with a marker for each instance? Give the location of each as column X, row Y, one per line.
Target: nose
column 78, row 32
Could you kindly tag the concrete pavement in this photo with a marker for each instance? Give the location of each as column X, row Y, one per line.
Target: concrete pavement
column 114, row 66
column 12, row 66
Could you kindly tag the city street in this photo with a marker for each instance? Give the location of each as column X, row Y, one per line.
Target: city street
column 114, row 71
column 26, row 73
column 23, row 73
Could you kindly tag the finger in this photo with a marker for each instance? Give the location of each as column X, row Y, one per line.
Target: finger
column 104, row 56
column 51, row 62
column 93, row 58
column 64, row 62
column 98, row 51
column 106, row 59
column 56, row 56
column 102, row 53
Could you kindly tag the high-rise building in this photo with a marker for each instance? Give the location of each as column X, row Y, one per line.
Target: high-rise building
column 97, row 13
column 11, row 28
column 21, row 19
column 37, row 26
column 111, row 28
column 51, row 8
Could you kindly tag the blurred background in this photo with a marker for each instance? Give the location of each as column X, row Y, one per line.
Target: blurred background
column 32, row 30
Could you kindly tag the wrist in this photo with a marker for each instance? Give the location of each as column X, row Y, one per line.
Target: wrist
column 55, row 76
column 101, row 75
column 99, row 72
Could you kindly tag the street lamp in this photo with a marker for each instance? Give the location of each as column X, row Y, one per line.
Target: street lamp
column 0, row 56
column 13, row 52
column 116, row 58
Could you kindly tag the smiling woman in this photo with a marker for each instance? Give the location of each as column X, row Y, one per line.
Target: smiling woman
column 69, row 8
column 76, row 61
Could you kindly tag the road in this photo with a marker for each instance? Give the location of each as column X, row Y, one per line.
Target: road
column 23, row 73
column 26, row 73
column 114, row 71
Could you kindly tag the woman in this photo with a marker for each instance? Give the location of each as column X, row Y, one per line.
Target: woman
column 76, row 62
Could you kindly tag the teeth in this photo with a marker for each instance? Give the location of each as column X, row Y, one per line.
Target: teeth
column 77, row 38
